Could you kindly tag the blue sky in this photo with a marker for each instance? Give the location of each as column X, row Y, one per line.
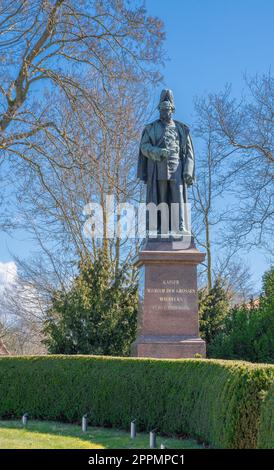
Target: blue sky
column 209, row 43
column 214, row 42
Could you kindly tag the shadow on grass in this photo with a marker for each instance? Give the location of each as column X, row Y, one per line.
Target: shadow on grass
column 95, row 437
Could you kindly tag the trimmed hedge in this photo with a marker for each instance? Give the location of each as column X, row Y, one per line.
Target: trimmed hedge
column 266, row 428
column 219, row 402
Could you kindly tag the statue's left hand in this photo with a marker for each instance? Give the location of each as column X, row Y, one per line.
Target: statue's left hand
column 188, row 180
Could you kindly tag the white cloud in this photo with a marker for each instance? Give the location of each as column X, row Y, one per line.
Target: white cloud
column 8, row 272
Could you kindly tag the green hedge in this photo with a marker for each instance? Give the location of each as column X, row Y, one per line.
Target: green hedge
column 219, row 402
column 266, row 428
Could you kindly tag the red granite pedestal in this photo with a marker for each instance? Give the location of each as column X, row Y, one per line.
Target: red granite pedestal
column 168, row 304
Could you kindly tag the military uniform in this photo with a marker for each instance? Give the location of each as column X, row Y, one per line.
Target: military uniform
column 165, row 178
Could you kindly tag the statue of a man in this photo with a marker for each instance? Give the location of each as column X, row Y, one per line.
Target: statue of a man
column 166, row 159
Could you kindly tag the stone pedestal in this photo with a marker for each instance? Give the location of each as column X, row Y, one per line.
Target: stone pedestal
column 168, row 305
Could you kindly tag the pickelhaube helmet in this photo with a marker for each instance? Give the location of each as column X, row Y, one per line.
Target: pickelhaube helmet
column 166, row 100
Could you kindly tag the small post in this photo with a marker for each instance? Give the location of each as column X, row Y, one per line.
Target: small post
column 85, row 423
column 25, row 419
column 152, row 439
column 133, row 429
column 163, row 446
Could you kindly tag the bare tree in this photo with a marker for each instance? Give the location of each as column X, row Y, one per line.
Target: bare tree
column 235, row 275
column 21, row 314
column 232, row 197
column 213, row 181
column 106, row 166
column 247, row 128
column 54, row 219
column 58, row 44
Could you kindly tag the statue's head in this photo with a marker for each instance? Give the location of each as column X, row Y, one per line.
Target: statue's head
column 166, row 105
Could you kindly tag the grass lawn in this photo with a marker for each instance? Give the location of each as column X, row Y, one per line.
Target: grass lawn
column 50, row 435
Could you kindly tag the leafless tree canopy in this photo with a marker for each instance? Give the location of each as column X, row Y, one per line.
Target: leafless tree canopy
column 244, row 130
column 60, row 45
column 232, row 199
column 75, row 81
column 106, row 158
column 21, row 318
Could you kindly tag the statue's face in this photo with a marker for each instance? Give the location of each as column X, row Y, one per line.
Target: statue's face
column 166, row 114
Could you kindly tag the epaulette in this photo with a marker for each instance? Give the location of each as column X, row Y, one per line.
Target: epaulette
column 182, row 124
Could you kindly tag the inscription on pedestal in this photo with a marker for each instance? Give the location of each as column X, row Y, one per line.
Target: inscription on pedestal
column 170, row 295
column 169, row 302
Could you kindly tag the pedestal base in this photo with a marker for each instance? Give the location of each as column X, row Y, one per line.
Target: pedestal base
column 173, row 347
column 168, row 325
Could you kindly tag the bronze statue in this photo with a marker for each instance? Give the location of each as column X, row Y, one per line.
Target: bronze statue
column 166, row 160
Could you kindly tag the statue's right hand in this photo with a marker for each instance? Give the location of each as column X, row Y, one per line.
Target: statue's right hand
column 164, row 153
